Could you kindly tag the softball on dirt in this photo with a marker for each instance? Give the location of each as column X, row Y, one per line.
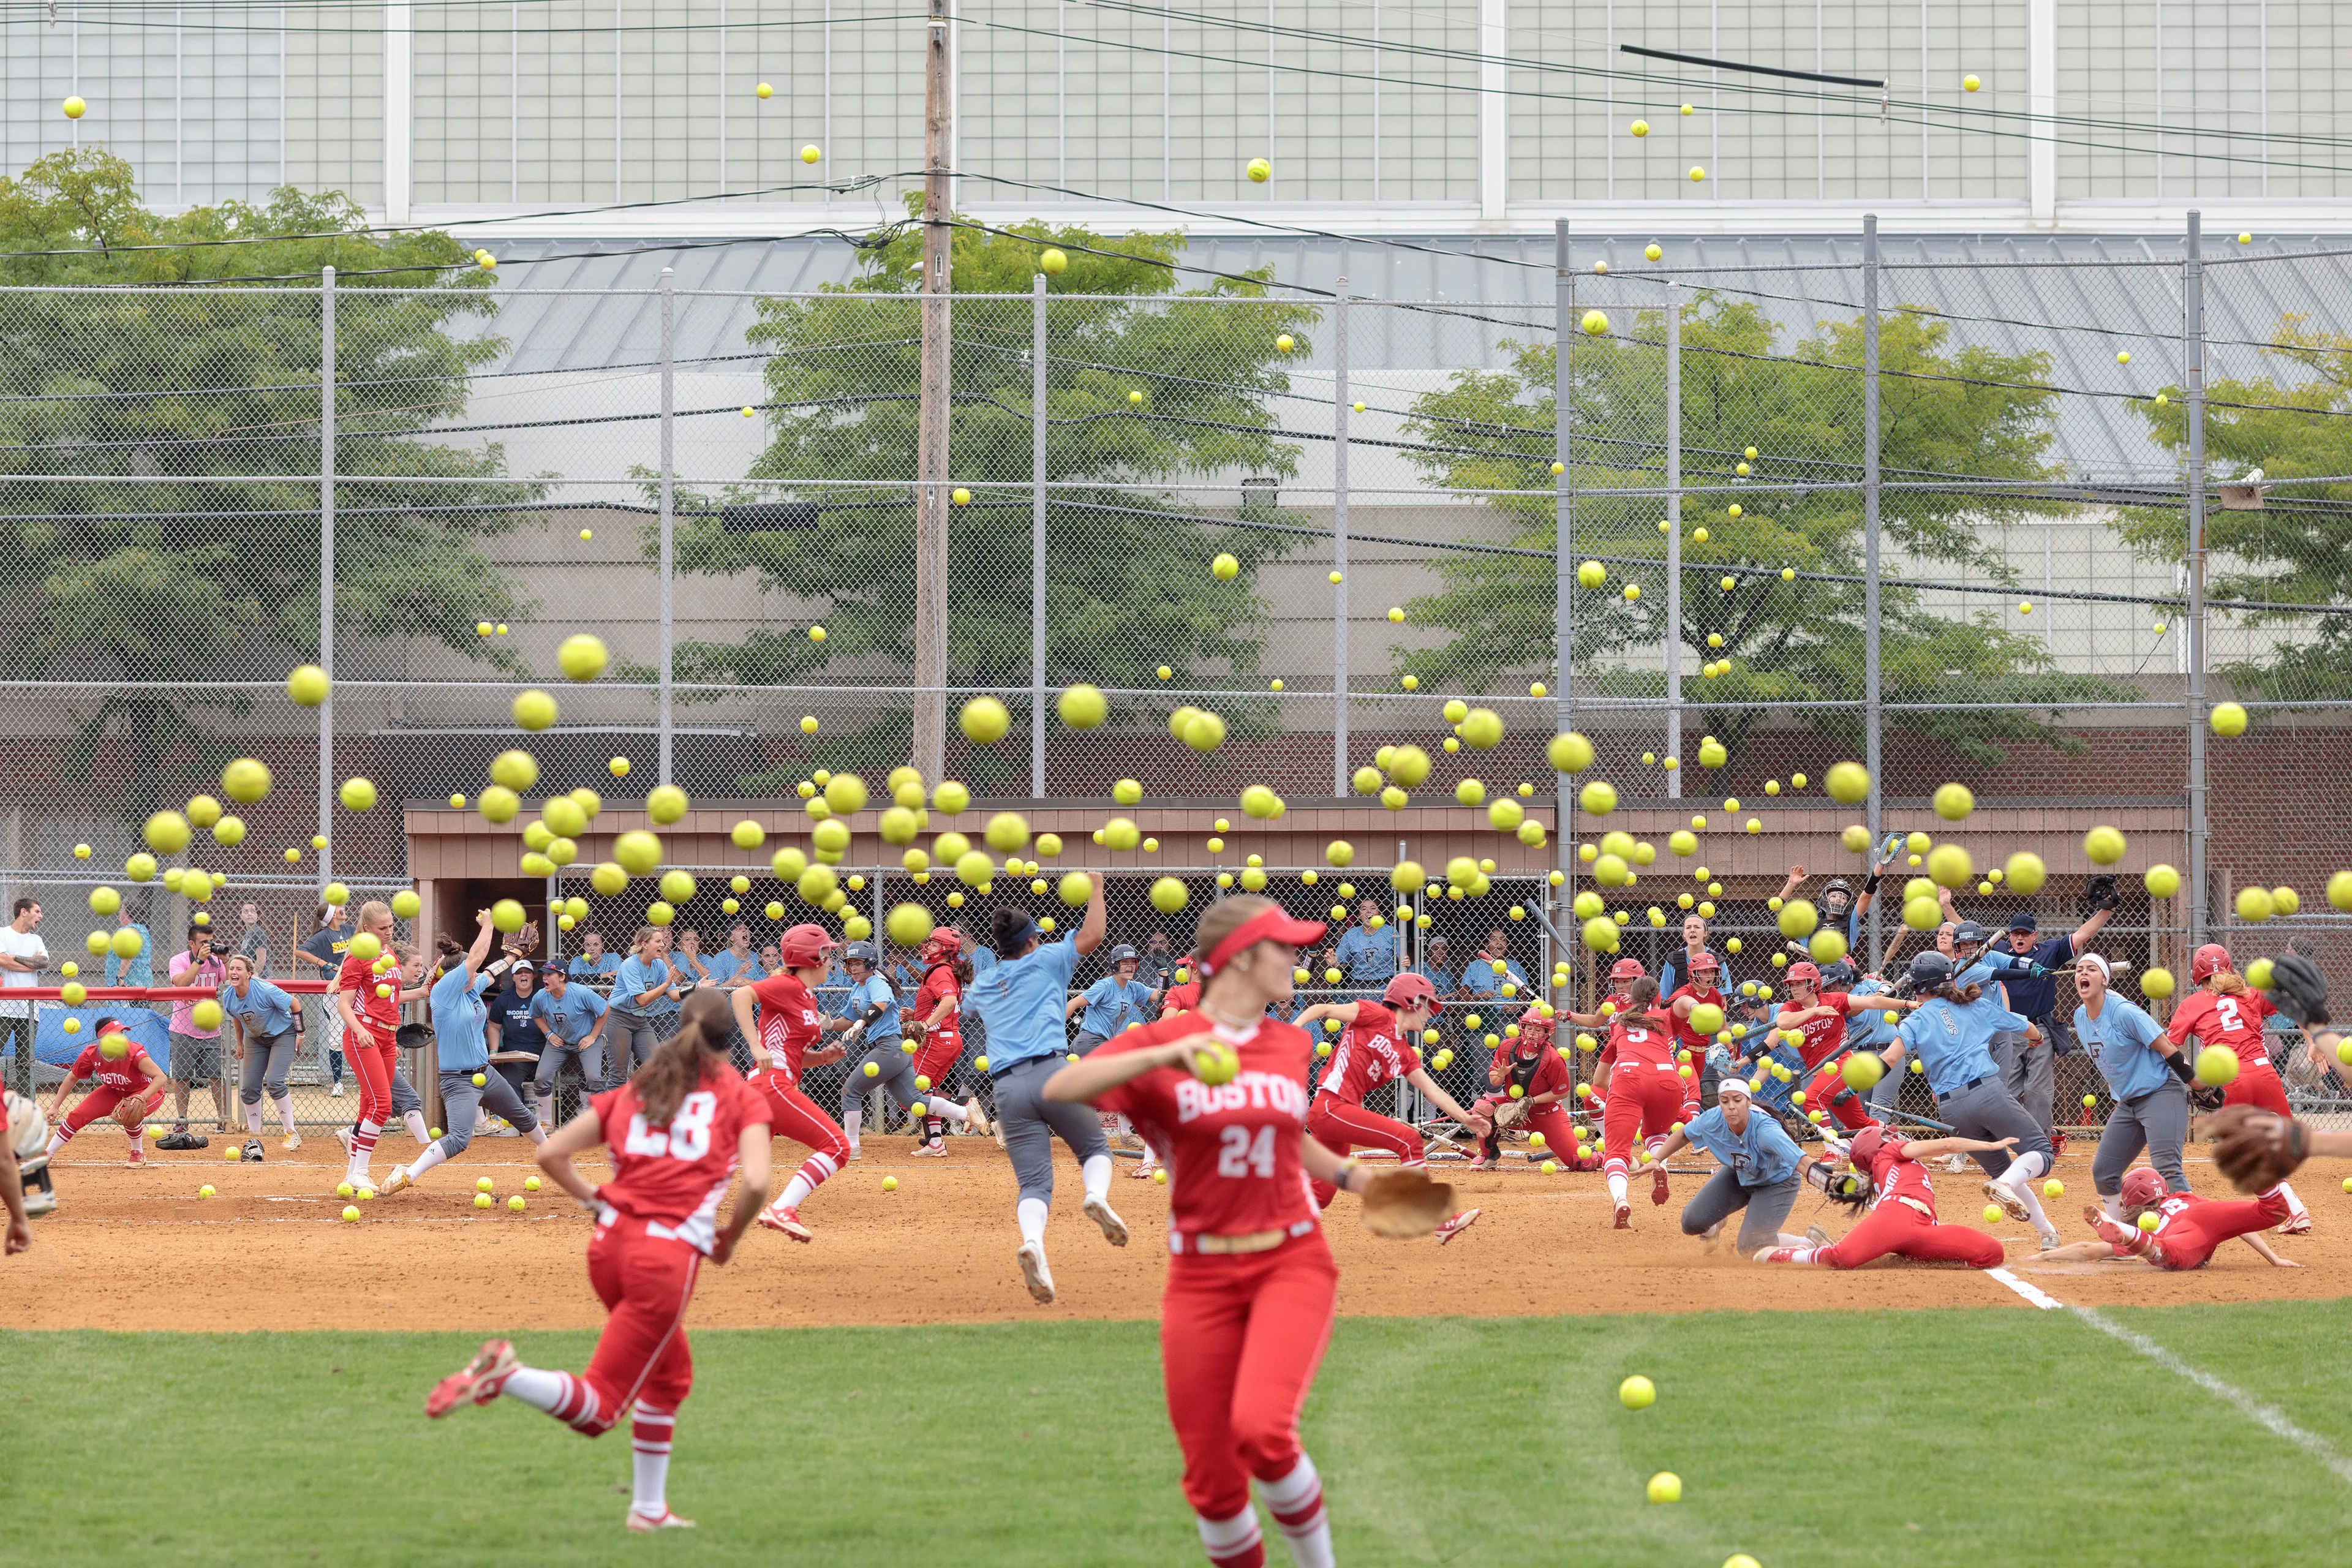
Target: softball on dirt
column 516, row 1205
column 531, row 1183
column 342, row 1189
column 1666, row 1487
column 889, row 1184
column 350, row 1214
column 482, row 1184
column 1637, row 1392
column 484, row 1200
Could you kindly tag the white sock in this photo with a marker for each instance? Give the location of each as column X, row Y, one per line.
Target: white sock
column 540, row 1389
column 944, row 1108
column 537, row 1135
column 1227, row 1540
column 415, row 1122
column 1032, row 1216
column 852, row 1119
column 2114, row 1203
column 545, row 1105
column 1296, row 1502
column 2294, row 1205
column 2020, row 1178
column 1617, row 1185
column 649, row 1435
column 1802, row 1255
column 286, row 1112
column 1150, row 1156
column 434, row 1154
column 1096, row 1173
column 253, row 1119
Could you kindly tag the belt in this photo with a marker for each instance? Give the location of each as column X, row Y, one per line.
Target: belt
column 1963, row 1089
column 1915, row 1203
column 1009, row 1069
column 1209, row 1242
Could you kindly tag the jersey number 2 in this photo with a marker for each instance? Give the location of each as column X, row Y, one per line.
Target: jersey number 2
column 687, row 1136
column 1240, row 1154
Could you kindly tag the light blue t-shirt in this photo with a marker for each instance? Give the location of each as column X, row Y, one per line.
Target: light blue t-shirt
column 868, row 993
column 1020, row 1003
column 724, row 966
column 1367, row 956
column 1762, row 1156
column 2123, row 1040
column 1953, row 1040
column 1112, row 1005
column 603, row 966
column 634, row 979
column 137, row 970
column 459, row 1015
column 572, row 1016
column 1479, row 979
column 265, row 1009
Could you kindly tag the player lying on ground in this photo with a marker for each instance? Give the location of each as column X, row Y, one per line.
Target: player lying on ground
column 678, row 1129
column 125, row 1084
column 1902, row 1219
column 1760, row 1170
column 2187, row 1230
column 1251, row 1282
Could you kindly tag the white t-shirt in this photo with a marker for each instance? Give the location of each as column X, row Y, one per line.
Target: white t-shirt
column 25, row 947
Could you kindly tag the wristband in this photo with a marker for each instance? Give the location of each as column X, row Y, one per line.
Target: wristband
column 2179, row 1062
column 1870, row 883
column 1339, row 1179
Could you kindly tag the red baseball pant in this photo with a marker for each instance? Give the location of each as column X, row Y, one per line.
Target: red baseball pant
column 102, row 1101
column 2191, row 1236
column 794, row 1115
column 1341, row 1126
column 937, row 1057
column 1828, row 1091
column 2257, row 1085
column 1240, row 1339
column 1899, row 1230
column 645, row 1282
column 1639, row 1097
column 372, row 1065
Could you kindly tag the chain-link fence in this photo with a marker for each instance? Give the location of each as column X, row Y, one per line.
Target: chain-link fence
column 1994, row 520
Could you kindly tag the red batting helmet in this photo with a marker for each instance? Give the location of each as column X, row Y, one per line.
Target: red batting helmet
column 2206, row 962
column 804, row 946
column 1866, row 1145
column 1410, row 990
column 1626, row 969
column 2142, row 1186
column 941, row 946
column 1802, row 974
column 1704, row 961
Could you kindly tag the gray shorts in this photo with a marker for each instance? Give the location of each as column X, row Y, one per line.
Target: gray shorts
column 1030, row 1124
column 195, row 1061
column 462, row 1099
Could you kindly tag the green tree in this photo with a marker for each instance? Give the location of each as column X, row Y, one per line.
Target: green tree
column 2297, row 549
column 1127, row 559
column 176, row 538
column 1966, row 412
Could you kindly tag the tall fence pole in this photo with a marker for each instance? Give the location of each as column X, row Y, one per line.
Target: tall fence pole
column 1674, row 638
column 1875, row 747
column 1563, row 542
column 2192, row 354
column 669, row 479
column 1339, row 410
column 1037, row 536
column 326, row 570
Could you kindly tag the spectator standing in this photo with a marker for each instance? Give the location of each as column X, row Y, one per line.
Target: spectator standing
column 593, row 962
column 23, row 956
column 263, row 1018
column 139, row 969
column 1481, row 980
column 323, row 952
column 512, row 1026
column 1367, row 953
column 645, row 997
column 571, row 1019
column 1676, row 973
column 196, row 1050
column 252, row 941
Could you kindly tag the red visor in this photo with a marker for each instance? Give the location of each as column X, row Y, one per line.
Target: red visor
column 1272, row 926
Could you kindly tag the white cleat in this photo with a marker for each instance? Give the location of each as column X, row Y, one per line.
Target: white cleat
column 665, row 1519
column 2010, row 1203
column 974, row 1117
column 2296, row 1225
column 1114, row 1229
column 398, row 1179
column 1456, row 1225
column 1035, row 1274
column 1816, row 1237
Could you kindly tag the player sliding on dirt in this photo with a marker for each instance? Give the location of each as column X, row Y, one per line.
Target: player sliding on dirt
column 2187, row 1232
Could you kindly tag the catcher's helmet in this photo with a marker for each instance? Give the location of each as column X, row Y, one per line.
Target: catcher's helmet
column 1840, row 888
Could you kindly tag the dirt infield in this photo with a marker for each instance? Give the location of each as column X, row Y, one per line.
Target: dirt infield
column 139, row 1249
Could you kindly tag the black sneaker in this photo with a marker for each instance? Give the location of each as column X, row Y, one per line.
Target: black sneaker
column 251, row 1153
column 183, row 1140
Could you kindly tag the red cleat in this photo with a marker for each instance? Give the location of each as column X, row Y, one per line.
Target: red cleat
column 662, row 1521
column 775, row 1216
column 2296, row 1225
column 1456, row 1225
column 1658, row 1192
column 2125, row 1238
column 1624, row 1217
column 478, row 1382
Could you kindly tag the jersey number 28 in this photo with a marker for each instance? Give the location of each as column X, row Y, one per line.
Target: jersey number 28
column 687, row 1136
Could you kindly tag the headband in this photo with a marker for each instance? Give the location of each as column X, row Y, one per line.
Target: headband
column 1270, row 925
column 1734, row 1085
column 2105, row 972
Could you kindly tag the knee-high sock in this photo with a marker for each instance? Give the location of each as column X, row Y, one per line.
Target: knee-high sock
column 1233, row 1542
column 1296, row 1502
column 363, row 1146
column 285, row 1104
column 539, row 1388
column 1617, row 1185
column 253, row 1119
column 415, row 1122
column 1096, row 1173
column 62, row 1133
column 434, row 1154
column 853, row 1118
column 941, row 1106
column 2022, row 1173
column 1031, row 1213
column 2294, row 1205
column 537, row 1135
column 649, row 1437
column 806, row 1180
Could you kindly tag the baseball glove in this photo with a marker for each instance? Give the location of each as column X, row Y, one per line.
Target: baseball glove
column 523, row 943
column 2099, row 893
column 1404, row 1205
column 1838, row 1184
column 1508, row 1113
column 2257, row 1149
column 2298, row 988
column 2207, row 1096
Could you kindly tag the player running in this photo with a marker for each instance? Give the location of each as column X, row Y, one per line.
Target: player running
column 1251, row 1282
column 936, row 1025
column 677, row 1131
column 1902, row 1219
column 1638, row 1082
column 2189, row 1229
column 1377, row 1050
column 2228, row 1012
column 790, row 1028
column 125, row 1084
column 1820, row 1017
column 873, row 1020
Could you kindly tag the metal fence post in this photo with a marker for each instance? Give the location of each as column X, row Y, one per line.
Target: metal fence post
column 669, row 477
column 327, row 569
column 1563, row 523
column 1673, row 638
column 1875, row 747
column 1339, row 410
column 2192, row 354
column 1037, row 536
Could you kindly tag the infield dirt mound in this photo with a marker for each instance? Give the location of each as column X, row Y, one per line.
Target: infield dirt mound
column 138, row 1250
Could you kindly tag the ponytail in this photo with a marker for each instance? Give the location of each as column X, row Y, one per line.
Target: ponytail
column 2228, row 982
column 684, row 1058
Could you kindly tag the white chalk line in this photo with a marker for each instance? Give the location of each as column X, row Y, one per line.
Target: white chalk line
column 2268, row 1416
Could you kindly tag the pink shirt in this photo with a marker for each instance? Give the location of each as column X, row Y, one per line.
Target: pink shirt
column 212, row 974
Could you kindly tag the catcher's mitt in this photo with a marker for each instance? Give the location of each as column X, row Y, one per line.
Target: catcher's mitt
column 1404, row 1205
column 2257, row 1149
column 2298, row 988
column 1508, row 1113
column 2099, row 893
column 522, row 943
column 1838, row 1184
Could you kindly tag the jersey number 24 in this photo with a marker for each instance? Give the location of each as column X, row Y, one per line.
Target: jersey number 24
column 1240, row 1154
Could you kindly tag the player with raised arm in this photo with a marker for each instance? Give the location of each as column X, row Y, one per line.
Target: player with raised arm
column 1819, row 1018
column 790, row 1028
column 1378, row 1048
column 678, row 1130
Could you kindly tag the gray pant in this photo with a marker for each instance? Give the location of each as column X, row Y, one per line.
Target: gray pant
column 2029, row 1072
column 897, row 1074
column 2156, row 1121
column 1986, row 1109
column 1029, row 1122
column 1725, row 1194
column 266, row 1059
column 404, row 1098
column 462, row 1100
column 20, row 1032
column 553, row 1055
column 1086, row 1041
column 633, row 1037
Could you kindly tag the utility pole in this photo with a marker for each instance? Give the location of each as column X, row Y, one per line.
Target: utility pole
column 929, row 750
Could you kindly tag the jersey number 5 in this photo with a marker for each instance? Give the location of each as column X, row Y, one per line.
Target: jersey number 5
column 687, row 1136
column 1240, row 1154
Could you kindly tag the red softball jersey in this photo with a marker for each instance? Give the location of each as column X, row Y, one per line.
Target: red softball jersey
column 1686, row 1037
column 1369, row 1055
column 381, row 1013
column 1232, row 1149
column 789, row 1022
column 1645, row 1041
column 1543, row 1072
column 672, row 1177
column 938, row 984
column 1184, row 998
column 1825, row 1038
column 122, row 1076
column 2219, row 1020
column 1893, row 1176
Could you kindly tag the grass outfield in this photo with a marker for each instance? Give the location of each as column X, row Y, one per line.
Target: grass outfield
column 1928, row 1437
